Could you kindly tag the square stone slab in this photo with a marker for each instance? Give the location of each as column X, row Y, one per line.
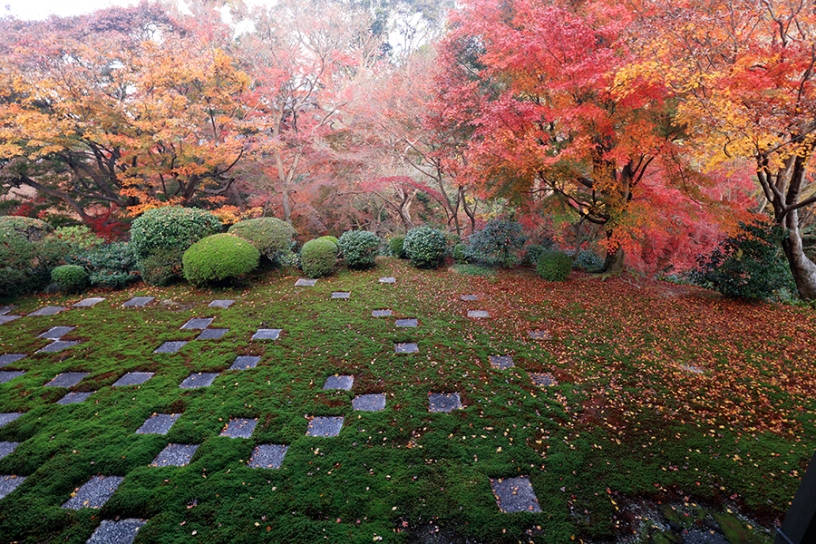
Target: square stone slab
column 8, row 375
column 200, row 379
column 373, row 402
column 8, row 417
column 212, row 334
column 67, row 379
column 6, row 309
column 9, row 358
column 444, row 402
column 341, row 295
column 324, row 426
column 477, row 314
column 138, row 302
column 94, row 493
column 339, row 382
column 502, row 362
column 239, row 427
column 55, row 333
column 221, row 303
column 175, row 455
column 170, row 347
column 469, row 298
column 388, row 280
column 57, row 345
column 514, row 495
column 539, row 335
column 244, row 362
column 8, row 318
column 305, row 283
column 116, row 532
column 75, row 397
column 406, row 347
column 88, row 302
column 7, row 447
column 692, row 369
column 406, row 322
column 133, row 378
column 543, row 380
column 381, row 313
column 158, row 424
column 268, row 456
column 198, row 323
column 267, row 334
column 10, row 483
column 48, row 310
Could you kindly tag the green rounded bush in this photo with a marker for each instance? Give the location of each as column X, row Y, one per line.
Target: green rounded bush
column 77, row 238
column 162, row 267
column 554, row 265
column 171, row 227
column 218, row 258
column 26, row 259
column 71, row 278
column 460, row 254
column 271, row 236
column 331, row 239
column 318, row 258
column 396, row 246
column 359, row 248
column 32, row 229
column 497, row 243
column 109, row 265
column 425, row 247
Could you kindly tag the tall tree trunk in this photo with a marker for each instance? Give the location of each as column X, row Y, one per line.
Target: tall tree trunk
column 802, row 268
column 287, row 205
column 613, row 264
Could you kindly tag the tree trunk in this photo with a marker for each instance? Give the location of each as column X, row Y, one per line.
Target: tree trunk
column 287, row 205
column 802, row 268
column 613, row 264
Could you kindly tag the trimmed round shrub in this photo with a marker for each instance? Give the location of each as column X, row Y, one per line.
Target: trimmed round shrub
column 271, row 236
column 171, row 227
column 425, row 247
column 162, row 267
column 331, row 239
column 396, row 247
column 554, row 265
column 460, row 254
column 77, row 238
column 71, row 278
column 497, row 243
column 109, row 265
column 318, row 258
column 359, row 248
column 532, row 253
column 26, row 259
column 588, row 261
column 32, row 229
column 218, row 258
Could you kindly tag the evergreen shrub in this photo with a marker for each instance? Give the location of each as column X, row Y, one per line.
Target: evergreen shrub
column 425, row 247
column 396, row 246
column 554, row 265
column 318, row 257
column 71, row 278
column 271, row 236
column 219, row 258
column 497, row 243
column 359, row 248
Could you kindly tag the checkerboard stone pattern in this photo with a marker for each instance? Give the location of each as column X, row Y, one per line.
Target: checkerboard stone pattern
column 94, row 493
column 57, row 345
column 133, row 378
column 170, row 347
column 4, row 310
column 123, row 531
column 75, row 397
column 245, row 362
column 224, row 303
column 67, row 379
column 55, row 333
column 47, row 311
column 478, row 314
column 8, row 375
column 543, row 380
column 324, row 426
column 412, row 322
column 373, row 402
column 9, row 358
column 388, row 280
column 8, row 417
column 514, row 495
column 406, row 347
column 9, row 483
column 239, row 427
column 339, row 382
column 444, row 402
column 158, row 424
column 267, row 334
column 469, row 298
column 268, row 456
column 539, row 335
column 175, row 455
column 381, row 313
column 198, row 323
column 6, row 448
column 88, row 302
column 212, row 334
column 200, row 379
column 8, row 318
column 138, row 302
column 501, row 362
column 341, row 295
column 302, row 282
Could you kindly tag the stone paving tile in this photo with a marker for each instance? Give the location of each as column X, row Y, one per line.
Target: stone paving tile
column 373, row 402
column 341, row 295
column 381, row 313
column 175, row 455
column 198, row 323
column 94, row 493
column 158, row 424
column 268, row 456
column 406, row 347
column 9, row 483
column 8, row 417
column 9, row 358
column 444, row 402
column 8, row 318
column 324, row 426
column 138, row 302
column 46, row 311
column 57, row 345
column 6, row 448
column 514, row 495
column 133, row 378
column 305, row 283
column 199, row 379
column 478, row 314
column 67, row 379
column 88, row 302
column 6, row 309
column 55, row 333
column 469, row 298
column 244, row 362
column 539, row 335
column 170, row 347
column 267, row 334
column 543, row 380
column 123, row 531
column 212, row 334
column 406, row 322
column 223, row 303
column 239, row 427
column 8, row 375
column 502, row 362
column 339, row 382
column 388, row 280
column 692, row 369
column 75, row 397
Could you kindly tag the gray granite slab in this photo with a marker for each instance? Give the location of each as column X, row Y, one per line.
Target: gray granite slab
column 123, row 531
column 539, row 335
column 222, row 303
column 478, row 314
column 543, row 380
column 75, row 397
column 67, row 379
column 8, row 375
column 444, row 402
column 46, row 311
column 406, row 347
column 6, row 448
column 515, row 495
column 268, row 456
column 133, row 378
column 267, row 334
column 170, row 347
column 381, row 313
column 9, row 483
column 8, row 318
column 212, row 334
column 88, row 302
column 469, row 298
column 94, row 493
column 305, row 283
column 692, row 369
column 502, row 362
column 388, row 280
column 8, row 417
column 406, row 322
column 199, row 379
column 324, row 426
column 138, row 302
column 6, row 309
column 239, row 427
column 175, row 455
column 158, row 424
column 198, row 323
column 9, row 358
column 341, row 295
column 373, row 402
column 244, row 362
column 58, row 345
column 55, row 333
column 337, row 381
